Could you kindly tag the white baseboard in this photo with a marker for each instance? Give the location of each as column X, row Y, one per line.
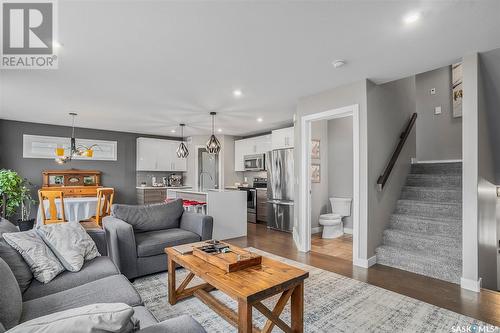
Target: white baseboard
column 470, row 284
column 415, row 161
column 365, row 263
column 348, row 231
column 316, row 230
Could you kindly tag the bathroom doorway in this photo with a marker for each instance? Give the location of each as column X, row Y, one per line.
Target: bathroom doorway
column 332, row 179
column 304, row 233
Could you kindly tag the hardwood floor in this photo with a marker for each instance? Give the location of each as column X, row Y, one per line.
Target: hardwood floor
column 337, row 247
column 484, row 305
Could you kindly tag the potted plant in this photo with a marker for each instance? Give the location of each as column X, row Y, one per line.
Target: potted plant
column 15, row 194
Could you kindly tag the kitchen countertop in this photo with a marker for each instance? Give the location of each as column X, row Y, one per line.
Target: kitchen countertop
column 197, row 191
column 160, row 187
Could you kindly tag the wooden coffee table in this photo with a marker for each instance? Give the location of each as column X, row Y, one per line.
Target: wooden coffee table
column 249, row 287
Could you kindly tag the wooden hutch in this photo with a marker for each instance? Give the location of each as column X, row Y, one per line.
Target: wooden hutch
column 73, row 183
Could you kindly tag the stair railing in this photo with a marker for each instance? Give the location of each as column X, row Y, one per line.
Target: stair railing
column 382, row 179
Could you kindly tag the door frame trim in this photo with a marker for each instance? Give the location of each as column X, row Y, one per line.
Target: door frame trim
column 302, row 236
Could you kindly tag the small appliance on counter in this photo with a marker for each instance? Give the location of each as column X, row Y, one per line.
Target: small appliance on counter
column 175, row 180
column 155, row 183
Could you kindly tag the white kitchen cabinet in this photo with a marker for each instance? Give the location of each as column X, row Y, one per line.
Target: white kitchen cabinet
column 159, row 155
column 239, row 152
column 251, row 146
column 147, row 150
column 283, row 138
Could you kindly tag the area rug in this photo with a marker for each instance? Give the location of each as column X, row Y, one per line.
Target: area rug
column 333, row 303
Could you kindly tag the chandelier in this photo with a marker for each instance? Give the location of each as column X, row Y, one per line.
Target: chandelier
column 213, row 145
column 75, row 151
column 182, row 150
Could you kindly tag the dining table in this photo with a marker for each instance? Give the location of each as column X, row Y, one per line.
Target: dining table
column 75, row 209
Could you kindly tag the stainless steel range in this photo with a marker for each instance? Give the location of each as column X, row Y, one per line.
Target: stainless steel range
column 252, row 197
column 280, row 188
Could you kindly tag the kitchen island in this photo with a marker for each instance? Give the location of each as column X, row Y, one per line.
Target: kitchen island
column 228, row 209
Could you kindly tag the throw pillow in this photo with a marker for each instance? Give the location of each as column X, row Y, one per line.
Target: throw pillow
column 70, row 243
column 93, row 318
column 15, row 261
column 42, row 262
column 150, row 217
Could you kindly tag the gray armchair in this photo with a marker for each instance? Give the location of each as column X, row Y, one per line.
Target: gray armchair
column 137, row 235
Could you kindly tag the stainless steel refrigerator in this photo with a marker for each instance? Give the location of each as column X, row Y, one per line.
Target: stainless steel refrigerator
column 280, row 183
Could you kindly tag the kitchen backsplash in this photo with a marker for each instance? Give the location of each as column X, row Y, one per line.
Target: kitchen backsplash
column 145, row 176
column 253, row 174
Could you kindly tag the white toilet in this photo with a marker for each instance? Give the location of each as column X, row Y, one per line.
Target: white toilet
column 332, row 223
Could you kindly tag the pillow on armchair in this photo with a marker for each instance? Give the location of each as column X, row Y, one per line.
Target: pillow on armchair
column 150, row 217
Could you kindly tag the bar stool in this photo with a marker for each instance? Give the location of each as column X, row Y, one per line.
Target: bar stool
column 202, row 207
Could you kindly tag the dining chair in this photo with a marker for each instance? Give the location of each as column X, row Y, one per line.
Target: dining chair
column 105, row 197
column 53, row 216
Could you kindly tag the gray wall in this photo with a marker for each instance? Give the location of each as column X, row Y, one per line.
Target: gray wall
column 390, row 106
column 120, row 174
column 439, row 137
column 340, row 161
column 490, row 74
column 319, row 191
column 489, row 229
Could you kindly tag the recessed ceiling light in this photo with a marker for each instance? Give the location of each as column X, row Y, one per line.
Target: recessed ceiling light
column 219, row 130
column 411, row 18
column 260, row 119
column 172, row 131
column 338, row 63
column 237, row 93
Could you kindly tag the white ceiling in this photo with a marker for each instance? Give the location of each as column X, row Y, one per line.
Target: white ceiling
column 145, row 66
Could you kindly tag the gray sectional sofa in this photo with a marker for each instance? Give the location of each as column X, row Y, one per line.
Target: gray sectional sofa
column 99, row 281
column 138, row 235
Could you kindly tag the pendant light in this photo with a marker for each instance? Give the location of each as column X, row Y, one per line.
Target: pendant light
column 213, row 145
column 182, row 150
column 75, row 151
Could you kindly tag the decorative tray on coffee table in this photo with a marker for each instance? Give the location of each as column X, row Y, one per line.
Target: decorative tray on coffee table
column 227, row 257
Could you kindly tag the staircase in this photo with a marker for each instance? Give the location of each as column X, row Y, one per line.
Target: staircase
column 425, row 231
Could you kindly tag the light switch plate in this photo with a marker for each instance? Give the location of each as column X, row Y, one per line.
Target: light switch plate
column 437, row 110
column 433, row 91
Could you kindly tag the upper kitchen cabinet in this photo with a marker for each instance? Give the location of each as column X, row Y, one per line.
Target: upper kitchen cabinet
column 251, row 146
column 283, row 138
column 159, row 155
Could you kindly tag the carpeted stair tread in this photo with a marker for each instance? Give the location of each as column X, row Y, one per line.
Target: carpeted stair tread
column 440, row 194
column 428, row 180
column 437, row 168
column 424, row 233
column 434, row 181
column 429, row 209
column 421, row 243
column 426, row 225
column 433, row 266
